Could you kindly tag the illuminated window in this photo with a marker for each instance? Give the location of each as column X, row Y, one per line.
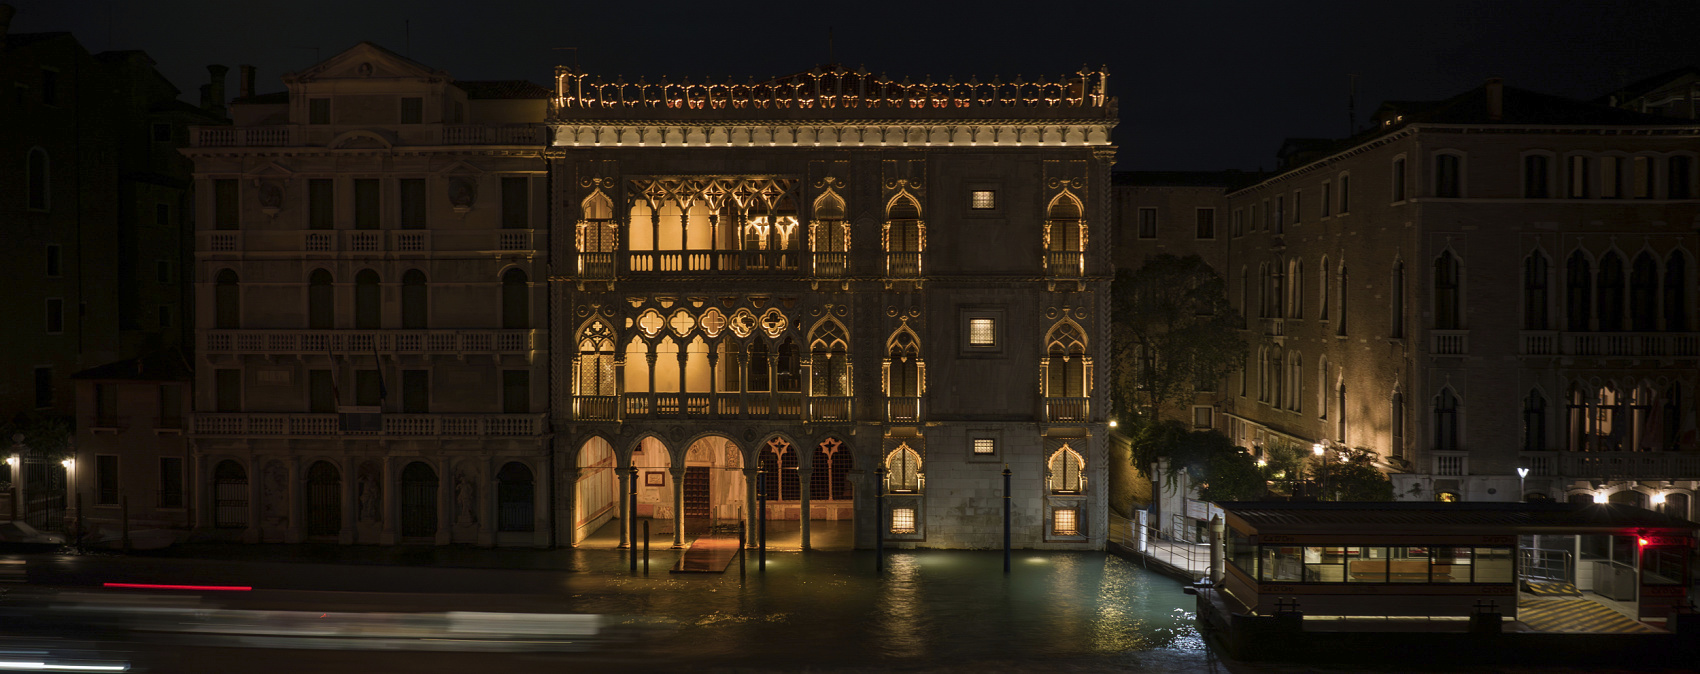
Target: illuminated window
column 985, row 446
column 902, row 520
column 1065, row 522
column 982, row 332
column 983, row 200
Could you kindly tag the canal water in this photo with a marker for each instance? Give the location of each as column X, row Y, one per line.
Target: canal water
column 931, row 610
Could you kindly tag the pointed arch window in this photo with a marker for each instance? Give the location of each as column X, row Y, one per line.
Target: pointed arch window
column 1676, row 293
column 1323, row 299
column 1295, row 382
column 829, row 361
column 1446, row 421
column 596, row 361
column 1446, row 296
column 1534, row 422
column 227, row 301
column 1578, row 293
column 598, row 236
column 321, row 301
column 1064, row 473
column 1066, row 362
column 1610, row 288
column 1535, row 292
column 760, row 368
column 1065, row 236
column 903, row 474
column 1340, row 311
column 415, row 300
column 1579, row 408
column 830, row 236
column 1644, row 294
column 368, row 301
column 830, row 469
column 1397, row 305
column 516, row 300
column 905, row 237
column 1296, row 289
column 1608, row 427
column 637, row 366
column 779, row 467
column 1322, row 388
column 786, row 373
column 903, row 376
column 1396, row 423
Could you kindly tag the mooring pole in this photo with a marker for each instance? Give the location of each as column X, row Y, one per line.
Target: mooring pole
column 879, row 520
column 124, row 514
column 743, row 554
column 761, row 522
column 632, row 510
column 1006, row 518
column 646, row 547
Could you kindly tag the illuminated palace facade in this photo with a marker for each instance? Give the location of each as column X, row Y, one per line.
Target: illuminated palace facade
column 855, row 286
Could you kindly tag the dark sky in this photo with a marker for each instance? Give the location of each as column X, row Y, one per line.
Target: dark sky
column 1203, row 84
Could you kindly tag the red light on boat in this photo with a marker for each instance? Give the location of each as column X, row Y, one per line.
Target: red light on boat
column 197, row 588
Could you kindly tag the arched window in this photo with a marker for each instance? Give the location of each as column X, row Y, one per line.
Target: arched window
column 1245, row 296
column 1277, row 387
column 368, row 301
column 831, row 235
column 903, row 470
column 1396, row 423
column 1446, row 305
column 1322, row 388
column 1065, row 234
column 1340, row 325
column 1535, row 291
column 1579, row 406
column 1063, row 472
column 516, row 300
column 1296, row 289
column 1295, row 382
column 414, row 300
column 1340, row 412
column 230, row 495
column 785, row 370
column 829, row 362
column 1322, row 298
column 779, row 464
column 1534, row 422
column 1578, row 292
column 1066, row 362
column 903, row 237
column 227, row 301
column 36, row 176
column 760, row 378
column 321, row 301
column 1676, row 292
column 596, row 361
column 1610, row 288
column 903, row 378
column 1397, row 303
column 598, row 207
column 637, row 366
column 1608, row 424
column 1644, row 294
column 1446, row 421
column 1263, row 290
column 666, row 366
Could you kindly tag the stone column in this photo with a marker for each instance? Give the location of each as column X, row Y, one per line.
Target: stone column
column 297, row 530
column 678, row 475
column 804, row 472
column 750, row 506
column 625, row 500
column 566, row 519
column 350, row 505
column 255, row 477
column 391, row 487
column 487, row 508
column 858, row 508
column 445, row 502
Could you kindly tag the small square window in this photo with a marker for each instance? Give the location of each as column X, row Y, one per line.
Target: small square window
column 1065, row 522
column 162, row 133
column 902, row 520
column 985, row 446
column 1202, row 417
column 982, row 332
column 983, row 200
column 318, row 111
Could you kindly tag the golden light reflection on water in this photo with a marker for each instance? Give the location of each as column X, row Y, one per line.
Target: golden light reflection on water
column 900, row 605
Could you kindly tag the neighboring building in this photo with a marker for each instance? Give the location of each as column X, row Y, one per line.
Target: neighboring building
column 132, row 457
column 861, row 286
column 94, row 218
column 1496, row 281
column 1673, row 93
column 370, row 270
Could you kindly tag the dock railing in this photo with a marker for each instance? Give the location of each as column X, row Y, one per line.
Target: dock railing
column 1157, row 547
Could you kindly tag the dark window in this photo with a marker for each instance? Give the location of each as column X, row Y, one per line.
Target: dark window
column 1611, row 177
column 1446, row 421
column 1534, row 422
column 55, row 315
column 162, row 133
column 1676, row 293
column 1679, row 176
column 170, row 482
column 227, row 389
column 1280, row 214
column 760, row 379
column 368, row 301
column 1397, row 294
column 1207, row 222
column 1238, row 224
column 1535, row 292
column 1298, row 207
column 1578, row 179
column 366, row 203
column 227, row 302
column 1535, row 177
column 164, row 316
column 1446, row 177
column 786, row 370
column 1609, row 285
column 49, row 87
column 321, row 301
column 1326, row 198
column 106, row 480
column 516, row 301
column 369, row 388
column 413, row 300
column 43, row 387
column 1147, row 223
column 227, row 213
column 162, row 271
column 170, row 406
column 321, row 392
column 105, row 405
column 516, row 209
column 321, row 204
column 516, row 391
column 54, row 261
column 1446, row 299
column 1578, row 292
column 415, row 391
column 412, row 203
column 1399, row 179
column 412, row 110
column 1345, row 194
column 161, row 215
column 318, row 111
column 1644, row 294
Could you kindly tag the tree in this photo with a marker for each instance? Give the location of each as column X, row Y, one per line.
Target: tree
column 1222, row 471
column 1172, row 330
column 1356, row 479
column 47, row 434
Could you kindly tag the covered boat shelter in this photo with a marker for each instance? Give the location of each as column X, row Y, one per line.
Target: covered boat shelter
column 1527, row 564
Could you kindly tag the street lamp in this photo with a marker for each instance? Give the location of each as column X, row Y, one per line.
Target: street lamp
column 1321, row 469
column 1521, row 474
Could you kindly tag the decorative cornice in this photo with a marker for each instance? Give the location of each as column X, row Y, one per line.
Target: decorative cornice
column 833, row 134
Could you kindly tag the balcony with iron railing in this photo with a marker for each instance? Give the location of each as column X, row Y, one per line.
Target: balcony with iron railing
column 319, row 342
column 1069, row 263
column 905, row 409
column 251, row 424
column 1067, row 409
column 1610, row 344
column 903, row 264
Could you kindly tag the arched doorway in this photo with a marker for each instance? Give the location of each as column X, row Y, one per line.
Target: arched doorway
column 515, row 511
column 830, row 496
column 324, row 499
column 1628, row 497
column 1675, row 505
column 655, row 484
column 418, row 500
column 714, row 483
column 230, row 495
column 596, row 491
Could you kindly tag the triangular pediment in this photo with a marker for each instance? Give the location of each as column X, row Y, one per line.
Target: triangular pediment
column 271, row 169
column 368, row 61
column 461, row 168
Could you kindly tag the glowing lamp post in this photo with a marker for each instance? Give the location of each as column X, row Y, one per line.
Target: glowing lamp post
column 1321, row 469
column 12, row 461
column 1521, row 474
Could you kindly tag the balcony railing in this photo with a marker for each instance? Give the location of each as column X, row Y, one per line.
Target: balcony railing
column 596, row 265
column 410, row 240
column 221, row 242
column 363, row 241
column 1539, row 342
column 514, row 239
column 1540, row 464
column 906, row 408
column 708, row 260
column 1065, row 263
column 831, row 263
column 1628, row 465
column 715, row 405
column 286, row 424
column 830, row 408
column 1610, row 344
column 1449, row 342
column 313, row 342
column 903, row 264
column 1066, row 409
column 597, row 408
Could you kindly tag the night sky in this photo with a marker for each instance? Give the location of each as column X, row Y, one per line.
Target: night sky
column 1204, row 84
